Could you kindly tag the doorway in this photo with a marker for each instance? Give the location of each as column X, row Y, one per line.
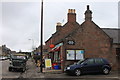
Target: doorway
column 118, row 57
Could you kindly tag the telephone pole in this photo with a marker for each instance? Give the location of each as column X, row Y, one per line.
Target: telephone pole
column 41, row 36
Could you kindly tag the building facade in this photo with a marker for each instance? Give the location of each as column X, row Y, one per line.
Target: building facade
column 0, row 50
column 4, row 51
column 74, row 41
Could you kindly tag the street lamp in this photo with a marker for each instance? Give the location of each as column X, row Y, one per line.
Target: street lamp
column 33, row 47
column 32, row 43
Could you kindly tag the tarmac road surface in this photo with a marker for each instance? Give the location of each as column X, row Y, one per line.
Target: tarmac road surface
column 6, row 73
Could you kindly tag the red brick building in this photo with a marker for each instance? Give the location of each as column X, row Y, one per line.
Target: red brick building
column 74, row 41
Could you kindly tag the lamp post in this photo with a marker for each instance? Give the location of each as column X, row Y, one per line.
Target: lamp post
column 32, row 43
column 41, row 36
column 32, row 47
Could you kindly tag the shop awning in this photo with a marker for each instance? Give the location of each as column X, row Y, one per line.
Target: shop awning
column 56, row 48
column 51, row 50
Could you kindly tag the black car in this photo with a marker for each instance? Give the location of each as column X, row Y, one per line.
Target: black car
column 89, row 65
column 18, row 62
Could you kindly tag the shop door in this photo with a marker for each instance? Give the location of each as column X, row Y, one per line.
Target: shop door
column 118, row 57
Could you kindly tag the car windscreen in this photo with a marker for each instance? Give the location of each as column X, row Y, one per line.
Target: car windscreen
column 18, row 57
column 80, row 61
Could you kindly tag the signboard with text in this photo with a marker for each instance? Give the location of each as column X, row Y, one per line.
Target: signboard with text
column 48, row 63
column 71, row 42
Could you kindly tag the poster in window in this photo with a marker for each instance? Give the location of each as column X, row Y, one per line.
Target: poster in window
column 70, row 55
column 79, row 54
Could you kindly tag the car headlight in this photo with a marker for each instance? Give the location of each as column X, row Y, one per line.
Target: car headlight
column 68, row 67
column 11, row 62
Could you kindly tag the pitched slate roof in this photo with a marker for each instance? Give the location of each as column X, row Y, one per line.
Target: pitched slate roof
column 113, row 33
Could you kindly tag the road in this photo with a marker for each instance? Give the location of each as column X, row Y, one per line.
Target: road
column 6, row 73
column 29, row 73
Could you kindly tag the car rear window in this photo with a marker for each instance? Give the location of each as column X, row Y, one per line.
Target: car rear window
column 99, row 61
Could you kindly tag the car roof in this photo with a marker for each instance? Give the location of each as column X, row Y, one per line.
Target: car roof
column 95, row 58
column 19, row 54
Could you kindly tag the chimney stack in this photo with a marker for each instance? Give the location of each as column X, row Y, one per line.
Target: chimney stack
column 88, row 14
column 71, row 15
column 58, row 26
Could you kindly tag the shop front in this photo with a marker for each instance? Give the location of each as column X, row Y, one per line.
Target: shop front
column 55, row 56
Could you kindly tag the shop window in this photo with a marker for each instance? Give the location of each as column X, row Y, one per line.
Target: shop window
column 74, row 54
column 56, row 56
column 51, row 56
column 79, row 54
column 70, row 54
column 45, row 50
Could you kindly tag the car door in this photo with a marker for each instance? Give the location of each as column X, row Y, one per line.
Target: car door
column 98, row 64
column 88, row 66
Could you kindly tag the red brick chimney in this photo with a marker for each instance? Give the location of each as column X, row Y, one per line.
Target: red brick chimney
column 71, row 15
column 58, row 26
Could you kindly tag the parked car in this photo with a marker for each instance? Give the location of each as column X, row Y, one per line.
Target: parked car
column 90, row 65
column 18, row 62
column 3, row 58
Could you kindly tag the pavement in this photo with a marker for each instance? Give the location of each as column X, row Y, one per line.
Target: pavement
column 34, row 72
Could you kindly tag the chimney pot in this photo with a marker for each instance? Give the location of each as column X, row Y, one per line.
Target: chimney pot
column 74, row 11
column 71, row 15
column 68, row 10
column 88, row 14
column 59, row 24
column 71, row 10
column 87, row 7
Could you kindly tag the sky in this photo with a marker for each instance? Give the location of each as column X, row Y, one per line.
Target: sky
column 20, row 20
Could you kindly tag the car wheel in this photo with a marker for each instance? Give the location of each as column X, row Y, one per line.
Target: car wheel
column 77, row 72
column 23, row 69
column 106, row 71
column 10, row 69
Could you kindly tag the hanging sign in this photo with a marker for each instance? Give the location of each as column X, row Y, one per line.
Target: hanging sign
column 70, row 42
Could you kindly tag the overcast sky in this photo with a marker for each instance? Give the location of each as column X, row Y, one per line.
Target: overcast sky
column 21, row 20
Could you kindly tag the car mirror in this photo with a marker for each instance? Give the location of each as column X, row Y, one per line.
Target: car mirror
column 75, row 63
